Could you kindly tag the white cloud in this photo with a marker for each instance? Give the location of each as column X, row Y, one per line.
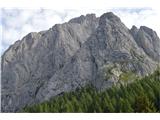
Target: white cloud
column 79, row 4
column 148, row 17
column 19, row 22
column 16, row 23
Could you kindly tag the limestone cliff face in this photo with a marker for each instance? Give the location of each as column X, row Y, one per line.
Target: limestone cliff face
column 70, row 55
column 148, row 40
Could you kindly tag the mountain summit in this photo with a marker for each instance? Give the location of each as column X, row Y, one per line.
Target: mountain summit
column 85, row 50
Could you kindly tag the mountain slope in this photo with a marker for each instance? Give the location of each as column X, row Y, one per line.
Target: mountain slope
column 111, row 44
column 73, row 54
column 124, row 98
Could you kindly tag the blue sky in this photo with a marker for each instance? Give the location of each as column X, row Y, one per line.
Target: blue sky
column 16, row 23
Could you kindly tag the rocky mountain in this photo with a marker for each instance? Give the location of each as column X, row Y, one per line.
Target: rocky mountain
column 85, row 50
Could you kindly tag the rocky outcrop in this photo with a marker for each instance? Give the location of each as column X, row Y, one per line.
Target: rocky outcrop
column 71, row 55
column 148, row 40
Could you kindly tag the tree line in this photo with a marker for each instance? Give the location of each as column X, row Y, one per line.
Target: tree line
column 143, row 95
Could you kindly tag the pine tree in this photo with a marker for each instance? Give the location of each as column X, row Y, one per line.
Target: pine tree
column 126, row 106
column 143, row 104
column 41, row 108
column 110, row 107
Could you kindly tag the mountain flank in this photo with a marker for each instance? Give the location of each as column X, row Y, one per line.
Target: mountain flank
column 86, row 50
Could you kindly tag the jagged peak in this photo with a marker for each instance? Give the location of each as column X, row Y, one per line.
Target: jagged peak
column 109, row 16
column 146, row 29
column 30, row 35
column 134, row 31
column 149, row 31
column 134, row 28
column 91, row 15
column 81, row 18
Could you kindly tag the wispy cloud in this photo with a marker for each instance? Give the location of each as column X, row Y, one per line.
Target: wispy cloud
column 140, row 17
column 16, row 23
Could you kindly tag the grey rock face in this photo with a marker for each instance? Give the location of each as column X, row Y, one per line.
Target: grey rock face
column 70, row 55
column 148, row 40
column 31, row 62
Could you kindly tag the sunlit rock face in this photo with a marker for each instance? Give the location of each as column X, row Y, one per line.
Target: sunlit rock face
column 71, row 55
